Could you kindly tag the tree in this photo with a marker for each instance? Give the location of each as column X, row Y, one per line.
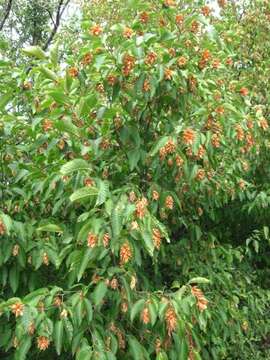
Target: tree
column 134, row 203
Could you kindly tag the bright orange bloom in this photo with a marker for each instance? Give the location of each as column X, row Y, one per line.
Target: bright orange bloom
column 201, row 300
column 112, row 79
column 169, row 202
column 182, row 61
column 87, row 58
column 206, row 11
column 146, row 86
column 168, row 74
column 243, row 91
column 179, row 19
column 240, row 135
column 17, row 309
column 145, row 316
column 2, row 228
column 43, row 343
column 171, row 320
column 195, row 26
column 125, row 253
column 106, row 239
column 73, row 72
column 151, row 58
column 144, row 17
column 156, row 235
column 91, row 240
column 263, row 124
column 189, row 136
column 96, row 30
column 47, row 125
column 128, row 33
column 155, row 195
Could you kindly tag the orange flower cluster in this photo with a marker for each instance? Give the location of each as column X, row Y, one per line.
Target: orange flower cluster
column 189, row 136
column 17, row 309
column 216, row 63
column 169, row 148
column 106, row 239
column 114, row 284
column 222, row 3
column 200, row 174
column 129, row 62
column 91, row 240
column 263, row 124
column 47, row 125
column 171, row 320
column 182, row 61
column 120, row 336
column 151, row 58
column 2, row 228
column 144, row 17
column 145, row 316
column 169, row 3
column 169, row 202
column 125, row 253
column 229, row 61
column 45, row 259
column 195, row 26
column 201, row 300
column 205, row 58
column 201, row 152
column 179, row 19
column 87, row 59
column 141, row 207
column 96, row 30
column 168, row 74
column 206, row 11
column 240, row 135
column 128, row 33
column 192, row 82
column 15, row 250
column 73, row 72
column 243, row 91
column 156, row 235
column 43, row 343
column 215, row 140
column 112, row 79
column 155, row 195
column 146, row 86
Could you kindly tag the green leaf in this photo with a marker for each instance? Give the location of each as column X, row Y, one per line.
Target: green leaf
column 50, row 228
column 133, row 157
column 99, row 292
column 83, row 193
column 87, row 256
column 14, row 278
column 34, row 51
column 89, row 310
column 25, row 345
column 48, row 73
column 74, row 165
column 103, row 190
column 136, row 308
column 4, row 99
column 148, row 241
column 135, row 348
column 58, row 336
column 199, row 280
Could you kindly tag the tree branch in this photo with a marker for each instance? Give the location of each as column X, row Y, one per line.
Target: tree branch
column 6, row 14
column 60, row 9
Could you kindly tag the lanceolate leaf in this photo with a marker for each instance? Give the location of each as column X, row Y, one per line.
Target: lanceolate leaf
column 74, row 166
column 84, row 193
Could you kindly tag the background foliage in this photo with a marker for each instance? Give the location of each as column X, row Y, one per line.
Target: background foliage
column 134, row 184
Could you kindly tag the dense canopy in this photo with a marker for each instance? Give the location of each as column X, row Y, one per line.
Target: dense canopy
column 134, row 190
